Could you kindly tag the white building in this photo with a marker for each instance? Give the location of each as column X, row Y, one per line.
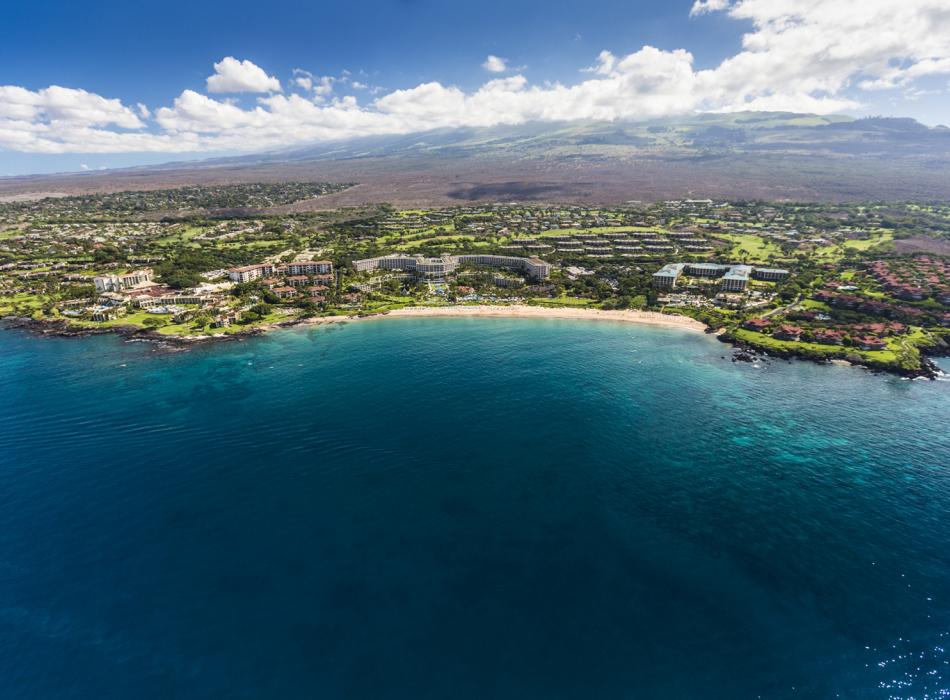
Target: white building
column 250, row 272
column 445, row 264
column 310, row 267
column 119, row 283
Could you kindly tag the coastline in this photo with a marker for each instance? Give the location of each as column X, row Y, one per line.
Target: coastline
column 647, row 318
column 741, row 350
column 63, row 329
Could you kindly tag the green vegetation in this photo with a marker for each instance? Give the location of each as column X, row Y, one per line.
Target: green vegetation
column 749, row 248
column 563, row 301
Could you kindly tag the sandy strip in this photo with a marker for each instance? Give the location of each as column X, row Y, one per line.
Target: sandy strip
column 650, row 318
column 647, row 318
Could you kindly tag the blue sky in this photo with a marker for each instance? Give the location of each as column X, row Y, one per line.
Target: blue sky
column 133, row 79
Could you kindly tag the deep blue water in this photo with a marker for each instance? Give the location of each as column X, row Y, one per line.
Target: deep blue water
column 467, row 508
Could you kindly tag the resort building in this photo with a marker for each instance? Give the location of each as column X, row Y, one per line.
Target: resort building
column 667, row 275
column 437, row 268
column 119, row 283
column 429, row 268
column 535, row 268
column 735, row 278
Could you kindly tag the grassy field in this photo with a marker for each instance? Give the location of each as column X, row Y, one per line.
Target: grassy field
column 562, row 301
column 873, row 357
column 26, row 301
column 181, row 237
column 388, row 303
column 750, row 248
column 836, row 252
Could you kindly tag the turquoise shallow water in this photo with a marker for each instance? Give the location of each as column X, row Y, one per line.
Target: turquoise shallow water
column 467, row 508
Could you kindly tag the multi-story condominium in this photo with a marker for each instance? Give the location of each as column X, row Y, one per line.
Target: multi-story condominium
column 147, row 302
column 769, row 274
column 118, row 283
column 706, row 269
column 736, row 279
column 310, row 267
column 250, row 272
column 667, row 276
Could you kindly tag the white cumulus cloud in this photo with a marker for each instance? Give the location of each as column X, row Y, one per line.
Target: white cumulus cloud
column 232, row 75
column 819, row 56
column 701, row 7
column 495, row 64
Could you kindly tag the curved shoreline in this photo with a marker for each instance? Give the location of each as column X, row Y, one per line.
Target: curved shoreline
column 648, row 318
column 62, row 328
column 741, row 349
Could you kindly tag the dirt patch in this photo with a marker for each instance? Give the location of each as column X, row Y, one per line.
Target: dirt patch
column 935, row 246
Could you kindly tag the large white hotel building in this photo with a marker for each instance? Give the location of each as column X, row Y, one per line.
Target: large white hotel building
column 119, row 283
column 429, row 268
column 735, row 278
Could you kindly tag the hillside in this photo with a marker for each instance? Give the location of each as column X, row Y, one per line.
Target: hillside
column 745, row 155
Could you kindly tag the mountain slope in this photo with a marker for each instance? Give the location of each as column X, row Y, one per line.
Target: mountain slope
column 736, row 156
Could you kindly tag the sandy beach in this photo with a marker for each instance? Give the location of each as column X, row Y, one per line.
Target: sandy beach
column 651, row 318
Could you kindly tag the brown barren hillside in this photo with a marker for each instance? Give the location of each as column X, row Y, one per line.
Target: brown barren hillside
column 750, row 156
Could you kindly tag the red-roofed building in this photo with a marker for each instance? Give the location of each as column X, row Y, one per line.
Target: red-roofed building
column 787, row 332
column 756, row 324
column 869, row 342
column 828, row 336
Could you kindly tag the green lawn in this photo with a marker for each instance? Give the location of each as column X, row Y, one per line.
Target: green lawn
column 751, row 248
column 433, row 240
column 562, row 301
column 181, row 237
column 836, row 252
column 30, row 301
column 874, row 357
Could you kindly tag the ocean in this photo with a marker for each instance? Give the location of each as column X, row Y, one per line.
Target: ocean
column 467, row 508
